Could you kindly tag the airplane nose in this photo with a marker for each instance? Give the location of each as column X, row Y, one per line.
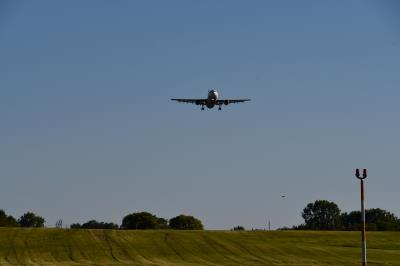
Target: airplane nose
column 215, row 94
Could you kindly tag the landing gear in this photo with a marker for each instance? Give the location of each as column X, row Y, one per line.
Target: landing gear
column 202, row 107
column 219, row 108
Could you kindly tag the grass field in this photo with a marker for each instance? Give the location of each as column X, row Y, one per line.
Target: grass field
column 112, row 247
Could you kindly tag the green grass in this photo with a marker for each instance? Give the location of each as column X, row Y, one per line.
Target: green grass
column 191, row 248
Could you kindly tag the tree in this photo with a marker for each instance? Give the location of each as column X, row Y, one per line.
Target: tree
column 93, row 224
column 30, row 219
column 322, row 215
column 351, row 221
column 162, row 223
column 7, row 220
column 75, row 226
column 185, row 222
column 375, row 219
column 238, row 228
column 143, row 220
column 382, row 219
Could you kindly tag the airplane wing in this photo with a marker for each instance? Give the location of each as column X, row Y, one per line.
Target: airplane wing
column 193, row 101
column 228, row 101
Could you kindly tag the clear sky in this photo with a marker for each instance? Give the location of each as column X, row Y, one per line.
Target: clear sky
column 88, row 131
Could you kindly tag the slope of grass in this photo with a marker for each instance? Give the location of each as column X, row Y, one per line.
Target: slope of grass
column 112, row 247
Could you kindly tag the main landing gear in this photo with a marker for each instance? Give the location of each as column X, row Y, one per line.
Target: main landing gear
column 202, row 107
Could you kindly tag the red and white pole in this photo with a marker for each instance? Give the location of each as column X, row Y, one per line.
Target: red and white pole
column 363, row 236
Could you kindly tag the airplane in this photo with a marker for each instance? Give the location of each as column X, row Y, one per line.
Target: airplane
column 211, row 101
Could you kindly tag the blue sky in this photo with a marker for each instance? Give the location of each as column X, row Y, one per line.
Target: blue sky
column 88, row 131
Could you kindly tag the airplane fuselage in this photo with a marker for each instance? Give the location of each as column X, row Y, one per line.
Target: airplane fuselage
column 211, row 98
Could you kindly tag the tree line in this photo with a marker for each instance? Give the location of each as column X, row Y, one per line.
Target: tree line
column 133, row 221
column 28, row 219
column 319, row 215
column 326, row 215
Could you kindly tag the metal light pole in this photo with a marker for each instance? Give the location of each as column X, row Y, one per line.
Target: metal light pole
column 363, row 238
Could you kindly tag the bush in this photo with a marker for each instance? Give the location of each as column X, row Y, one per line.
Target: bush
column 185, row 222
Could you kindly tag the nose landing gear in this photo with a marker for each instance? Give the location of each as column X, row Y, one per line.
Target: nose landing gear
column 202, row 107
column 219, row 108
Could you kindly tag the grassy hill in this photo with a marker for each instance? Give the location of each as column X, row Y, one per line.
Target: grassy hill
column 112, row 247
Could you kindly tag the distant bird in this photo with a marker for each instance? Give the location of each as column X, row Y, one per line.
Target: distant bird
column 283, row 196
